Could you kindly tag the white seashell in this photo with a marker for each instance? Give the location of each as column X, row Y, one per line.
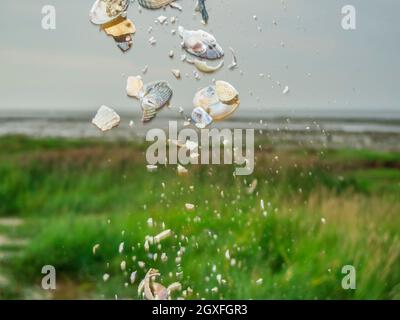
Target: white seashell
column 200, row 44
column 162, row 236
column 133, row 277
column 104, row 11
column 176, row 73
column 189, row 206
column 106, row 276
column 106, row 119
column 162, row 19
column 220, row 111
column 134, row 86
column 286, row 90
column 95, row 248
column 123, row 265
column 204, row 67
column 176, row 6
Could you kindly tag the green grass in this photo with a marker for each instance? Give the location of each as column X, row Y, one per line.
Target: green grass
column 75, row 194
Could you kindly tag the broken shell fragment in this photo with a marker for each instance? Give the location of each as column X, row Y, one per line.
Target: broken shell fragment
column 104, row 11
column 134, row 86
column 201, row 44
column 162, row 236
column 176, row 73
column 204, row 67
column 154, row 4
column 106, row 119
column 119, row 28
column 200, row 117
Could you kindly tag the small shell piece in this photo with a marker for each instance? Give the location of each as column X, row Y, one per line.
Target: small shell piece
column 201, row 117
column 134, row 86
column 204, row 67
column 162, row 236
column 106, row 119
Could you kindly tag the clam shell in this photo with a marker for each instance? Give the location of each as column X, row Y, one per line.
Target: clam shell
column 99, row 12
column 215, row 102
column 225, row 91
column 201, row 44
column 154, row 4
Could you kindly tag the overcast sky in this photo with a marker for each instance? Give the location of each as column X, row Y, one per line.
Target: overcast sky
column 76, row 67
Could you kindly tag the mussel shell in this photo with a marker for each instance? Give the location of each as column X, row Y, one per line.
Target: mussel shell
column 98, row 13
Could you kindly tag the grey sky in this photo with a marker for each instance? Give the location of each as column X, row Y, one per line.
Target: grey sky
column 76, row 67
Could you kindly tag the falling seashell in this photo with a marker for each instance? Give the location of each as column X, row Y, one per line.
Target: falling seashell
column 119, row 28
column 124, row 42
column 201, row 118
column 155, row 96
column 106, row 119
column 105, row 11
column 154, row 4
column 95, row 248
column 134, row 86
column 162, row 236
column 225, row 91
column 162, row 19
column 201, row 44
column 215, row 103
column 189, row 206
column 132, row 278
column 176, row 73
column 285, row 90
column 204, row 67
column 234, row 63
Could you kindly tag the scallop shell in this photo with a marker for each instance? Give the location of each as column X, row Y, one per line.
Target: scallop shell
column 201, row 44
column 100, row 12
column 155, row 96
column 225, row 91
column 154, row 4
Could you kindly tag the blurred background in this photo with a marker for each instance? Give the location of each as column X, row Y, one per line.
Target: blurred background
column 325, row 189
